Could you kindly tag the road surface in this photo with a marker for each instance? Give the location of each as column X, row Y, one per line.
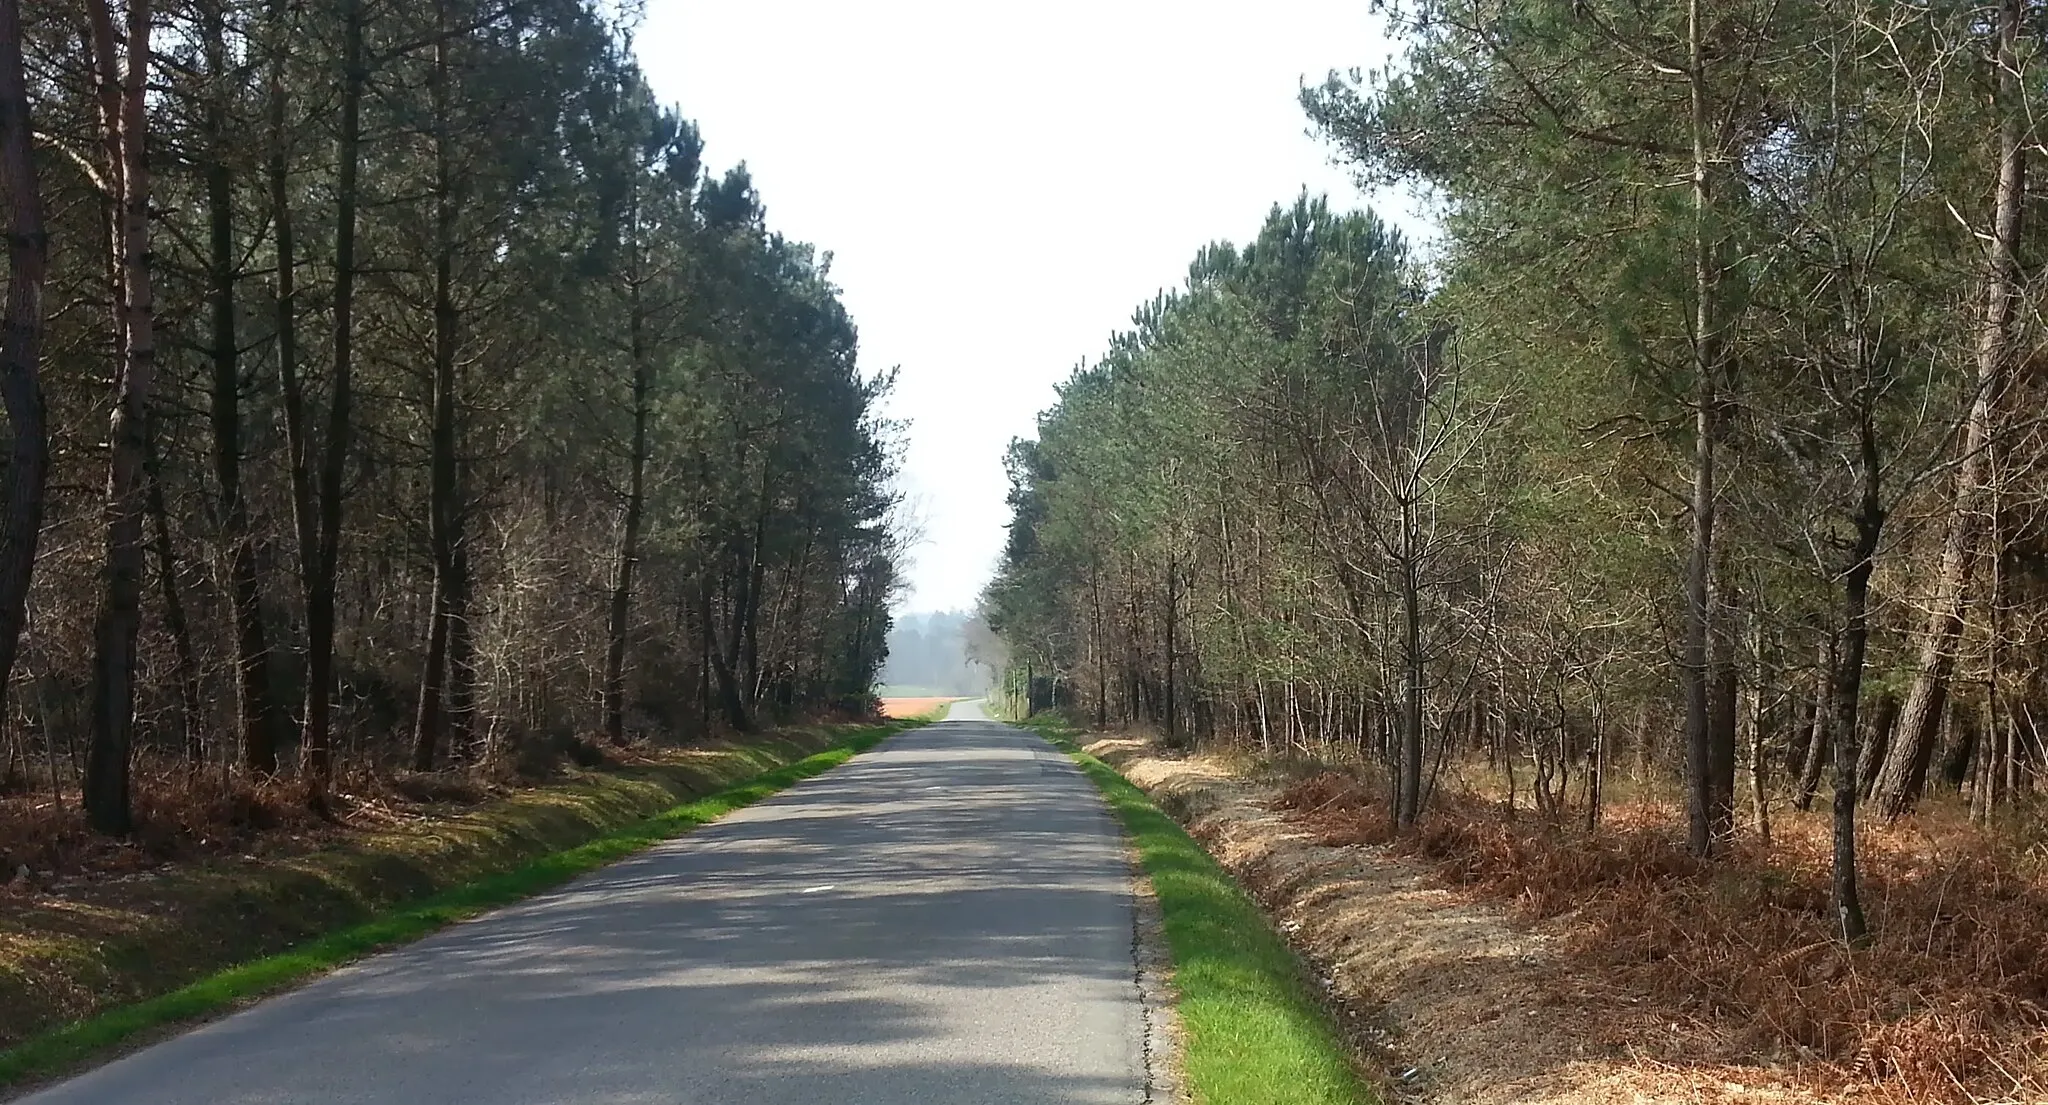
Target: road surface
column 945, row 920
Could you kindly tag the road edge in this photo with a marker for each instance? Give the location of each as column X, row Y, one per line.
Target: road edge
column 1257, row 968
column 1161, row 1043
column 62, row 1053
column 1152, row 962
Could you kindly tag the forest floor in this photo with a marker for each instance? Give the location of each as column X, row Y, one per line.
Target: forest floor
column 1488, row 961
column 221, row 875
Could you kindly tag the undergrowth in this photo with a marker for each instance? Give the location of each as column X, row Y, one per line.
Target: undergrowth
column 1947, row 1002
column 186, row 813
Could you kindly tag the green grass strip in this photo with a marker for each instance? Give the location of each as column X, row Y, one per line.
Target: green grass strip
column 1253, row 1032
column 64, row 1048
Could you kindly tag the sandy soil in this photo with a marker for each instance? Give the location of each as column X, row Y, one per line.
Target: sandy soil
column 1451, row 1001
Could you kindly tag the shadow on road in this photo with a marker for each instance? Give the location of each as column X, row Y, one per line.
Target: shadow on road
column 944, row 920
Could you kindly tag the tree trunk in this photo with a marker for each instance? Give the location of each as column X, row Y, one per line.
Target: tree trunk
column 1723, row 719
column 427, row 719
column 120, row 606
column 1848, row 688
column 707, row 648
column 285, row 318
column 1818, row 746
column 1876, row 740
column 1984, row 769
column 444, row 508
column 1801, row 740
column 750, row 640
column 1996, row 744
column 190, row 700
column 1596, row 773
column 1693, row 667
column 1098, row 645
column 1172, row 616
column 726, row 660
column 21, row 341
column 1904, row 771
column 257, row 713
column 1961, row 750
column 618, row 625
column 461, row 717
column 1409, row 788
column 321, row 576
column 1755, row 718
column 1502, row 726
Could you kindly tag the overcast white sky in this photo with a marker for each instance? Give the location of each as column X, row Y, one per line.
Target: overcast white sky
column 1001, row 184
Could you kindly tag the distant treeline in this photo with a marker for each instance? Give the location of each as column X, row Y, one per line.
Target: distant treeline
column 939, row 654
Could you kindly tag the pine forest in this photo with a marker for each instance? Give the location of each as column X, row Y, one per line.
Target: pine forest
column 1666, row 541
column 391, row 388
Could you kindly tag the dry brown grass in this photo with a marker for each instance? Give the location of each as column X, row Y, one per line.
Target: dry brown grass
column 1439, row 990
column 179, row 816
column 1948, row 1001
column 182, row 816
column 222, row 872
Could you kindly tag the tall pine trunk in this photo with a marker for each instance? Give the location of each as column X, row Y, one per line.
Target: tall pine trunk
column 1694, row 672
column 191, row 702
column 618, row 624
column 21, row 342
column 1408, row 791
column 726, row 659
column 461, row 656
column 1724, row 705
column 1172, row 653
column 285, row 320
column 444, row 507
column 257, row 713
column 1756, row 720
column 1848, row 684
column 1876, row 740
column 321, row 575
column 1820, row 745
column 123, row 121
column 750, row 640
column 1904, row 771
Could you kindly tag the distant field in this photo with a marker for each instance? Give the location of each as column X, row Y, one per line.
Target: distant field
column 913, row 706
column 910, row 690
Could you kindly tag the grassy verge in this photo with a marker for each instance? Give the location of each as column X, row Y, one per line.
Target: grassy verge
column 61, row 1049
column 1254, row 1033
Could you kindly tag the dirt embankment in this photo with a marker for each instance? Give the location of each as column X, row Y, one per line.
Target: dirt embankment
column 1456, row 1004
column 130, row 923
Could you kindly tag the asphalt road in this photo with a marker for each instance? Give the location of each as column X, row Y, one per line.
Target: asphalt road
column 946, row 919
